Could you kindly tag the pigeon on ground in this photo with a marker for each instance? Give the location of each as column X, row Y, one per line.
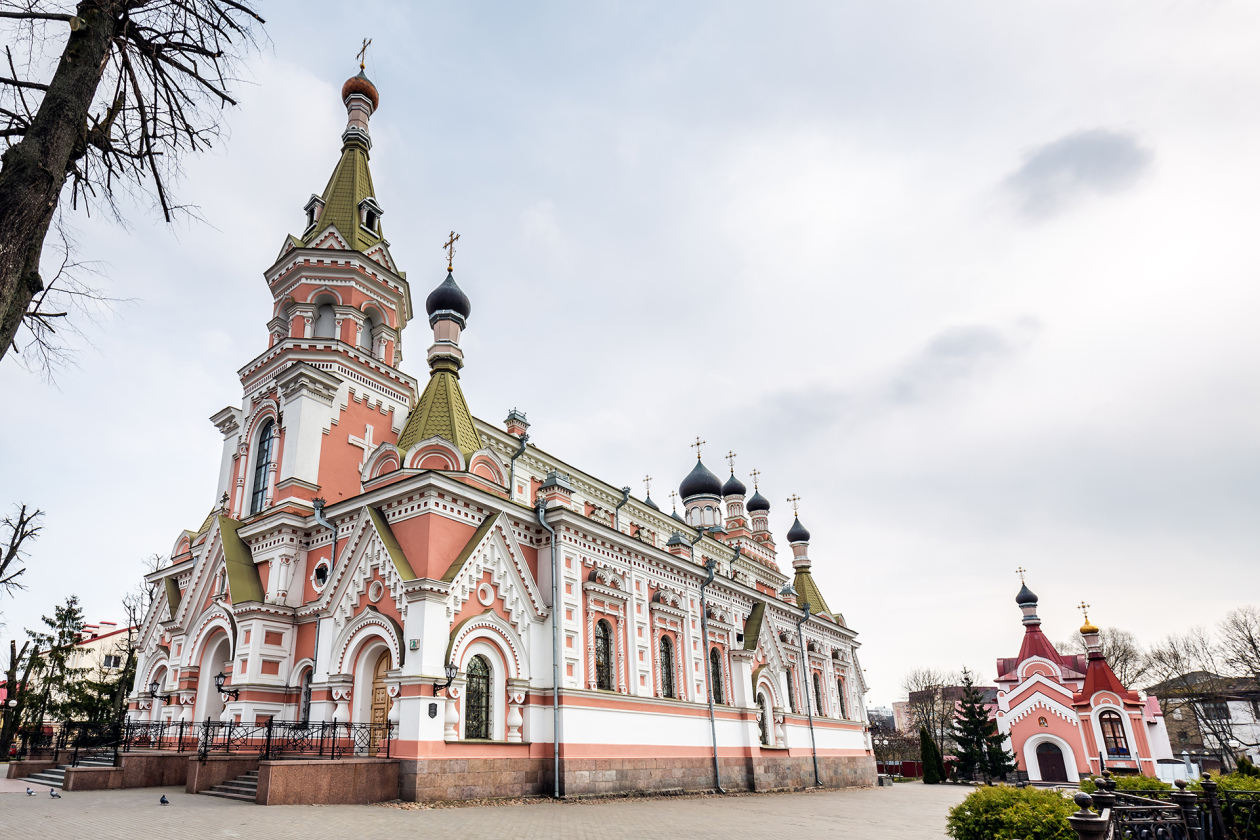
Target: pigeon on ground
column 30, row 792
column 53, row 793
column 164, row 800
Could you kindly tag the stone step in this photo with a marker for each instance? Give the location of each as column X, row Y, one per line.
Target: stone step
column 222, row 794
column 46, row 779
column 238, row 786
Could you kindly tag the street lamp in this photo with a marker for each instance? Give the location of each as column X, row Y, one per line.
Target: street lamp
column 451, row 673
column 219, row 679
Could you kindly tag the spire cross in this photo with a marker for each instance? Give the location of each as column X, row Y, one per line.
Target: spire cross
column 673, row 499
column 1084, row 608
column 449, row 245
column 754, row 474
column 647, row 484
column 730, row 459
column 795, row 501
column 1020, row 571
column 363, row 53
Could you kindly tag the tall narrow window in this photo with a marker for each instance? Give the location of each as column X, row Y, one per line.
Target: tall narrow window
column 1113, row 734
column 791, row 684
column 477, row 699
column 715, row 675
column 304, row 709
column 262, row 460
column 325, row 321
column 603, row 656
column 763, row 718
column 818, row 704
column 667, row 667
column 844, row 706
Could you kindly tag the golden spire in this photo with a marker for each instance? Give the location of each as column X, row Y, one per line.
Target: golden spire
column 1086, row 627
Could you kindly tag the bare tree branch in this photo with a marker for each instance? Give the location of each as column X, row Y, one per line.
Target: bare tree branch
column 23, row 529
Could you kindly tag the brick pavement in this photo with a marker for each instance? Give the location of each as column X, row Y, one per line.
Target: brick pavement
column 904, row 812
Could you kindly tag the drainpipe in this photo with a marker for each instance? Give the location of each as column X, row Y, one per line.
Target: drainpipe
column 512, row 466
column 332, row 561
column 806, row 678
column 710, row 570
column 625, row 497
column 540, row 507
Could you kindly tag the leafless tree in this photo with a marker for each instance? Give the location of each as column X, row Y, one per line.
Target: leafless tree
column 1240, row 643
column 18, row 681
column 930, row 705
column 1122, row 651
column 134, row 86
column 136, row 605
column 23, row 529
column 1190, row 670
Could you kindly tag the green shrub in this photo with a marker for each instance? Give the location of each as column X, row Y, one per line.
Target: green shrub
column 1246, row 767
column 1089, row 785
column 1232, row 781
column 1005, row 813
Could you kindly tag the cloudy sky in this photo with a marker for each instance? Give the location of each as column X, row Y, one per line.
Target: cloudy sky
column 976, row 279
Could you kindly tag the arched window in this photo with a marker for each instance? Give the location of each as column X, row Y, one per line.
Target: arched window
column 791, row 684
column 370, row 323
column 477, row 699
column 763, row 718
column 603, row 656
column 715, row 675
column 304, row 703
column 667, row 667
column 1113, row 734
column 262, row 460
column 325, row 321
column 844, row 706
column 818, row 704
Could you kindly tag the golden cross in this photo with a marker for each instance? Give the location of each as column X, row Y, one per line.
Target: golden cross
column 794, row 500
column 363, row 53
column 1084, row 608
column 647, row 484
column 730, row 459
column 699, row 443
column 1020, row 571
column 754, row 474
column 673, row 499
column 449, row 245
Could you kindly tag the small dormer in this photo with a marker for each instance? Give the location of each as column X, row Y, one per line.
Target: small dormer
column 313, row 209
column 370, row 215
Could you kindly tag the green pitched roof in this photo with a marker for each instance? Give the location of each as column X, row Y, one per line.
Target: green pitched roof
column 752, row 627
column 469, row 548
column 351, row 182
column 401, row 563
column 244, row 584
column 172, row 595
column 807, row 592
column 441, row 412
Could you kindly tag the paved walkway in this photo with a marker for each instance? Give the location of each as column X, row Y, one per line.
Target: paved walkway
column 903, row 812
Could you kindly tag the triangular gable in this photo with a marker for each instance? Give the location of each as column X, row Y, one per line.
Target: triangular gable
column 765, row 642
column 494, row 548
column 331, row 238
column 391, row 545
column 379, row 253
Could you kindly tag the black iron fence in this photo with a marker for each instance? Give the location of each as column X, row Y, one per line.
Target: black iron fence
column 1208, row 814
column 75, row 742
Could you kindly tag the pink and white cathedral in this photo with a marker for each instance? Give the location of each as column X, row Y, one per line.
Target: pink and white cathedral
column 369, row 532
column 1067, row 716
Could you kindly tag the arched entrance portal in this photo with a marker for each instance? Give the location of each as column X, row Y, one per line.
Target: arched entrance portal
column 213, row 660
column 380, row 702
column 1050, row 762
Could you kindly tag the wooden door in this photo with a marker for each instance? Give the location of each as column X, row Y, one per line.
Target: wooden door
column 1050, row 761
column 380, row 703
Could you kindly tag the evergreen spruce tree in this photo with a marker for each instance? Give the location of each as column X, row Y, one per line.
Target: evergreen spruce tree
column 979, row 745
column 60, row 684
column 931, row 757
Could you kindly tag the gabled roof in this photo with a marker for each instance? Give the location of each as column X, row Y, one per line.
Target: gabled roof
column 401, row 563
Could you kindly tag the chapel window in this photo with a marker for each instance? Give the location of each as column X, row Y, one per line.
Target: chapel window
column 818, row 703
column 325, row 321
column 763, row 719
column 791, row 686
column 477, row 699
column 1113, row 734
column 844, row 706
column 262, row 460
column 304, row 706
column 667, row 667
column 715, row 675
column 603, row 656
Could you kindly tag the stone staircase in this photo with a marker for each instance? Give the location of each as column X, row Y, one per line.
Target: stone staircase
column 243, row 788
column 56, row 776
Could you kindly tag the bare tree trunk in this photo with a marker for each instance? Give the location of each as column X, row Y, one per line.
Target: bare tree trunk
column 34, row 169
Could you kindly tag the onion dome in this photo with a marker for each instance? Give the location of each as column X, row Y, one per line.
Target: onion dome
column 758, row 503
column 1088, row 627
column 700, row 482
column 648, row 501
column 733, row 486
column 797, row 532
column 1025, row 597
column 361, row 84
column 448, row 297
column 679, row 518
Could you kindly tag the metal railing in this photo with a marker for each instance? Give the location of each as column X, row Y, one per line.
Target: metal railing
column 287, row 739
column 1180, row 814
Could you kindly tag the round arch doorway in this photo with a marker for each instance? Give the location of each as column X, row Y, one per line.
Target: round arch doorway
column 380, row 702
column 1050, row 762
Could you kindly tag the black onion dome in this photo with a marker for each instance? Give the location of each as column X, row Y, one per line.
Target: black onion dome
column 700, row 482
column 449, row 296
column 1025, row 596
column 797, row 532
column 648, row 501
column 679, row 518
column 757, row 503
column 733, row 486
